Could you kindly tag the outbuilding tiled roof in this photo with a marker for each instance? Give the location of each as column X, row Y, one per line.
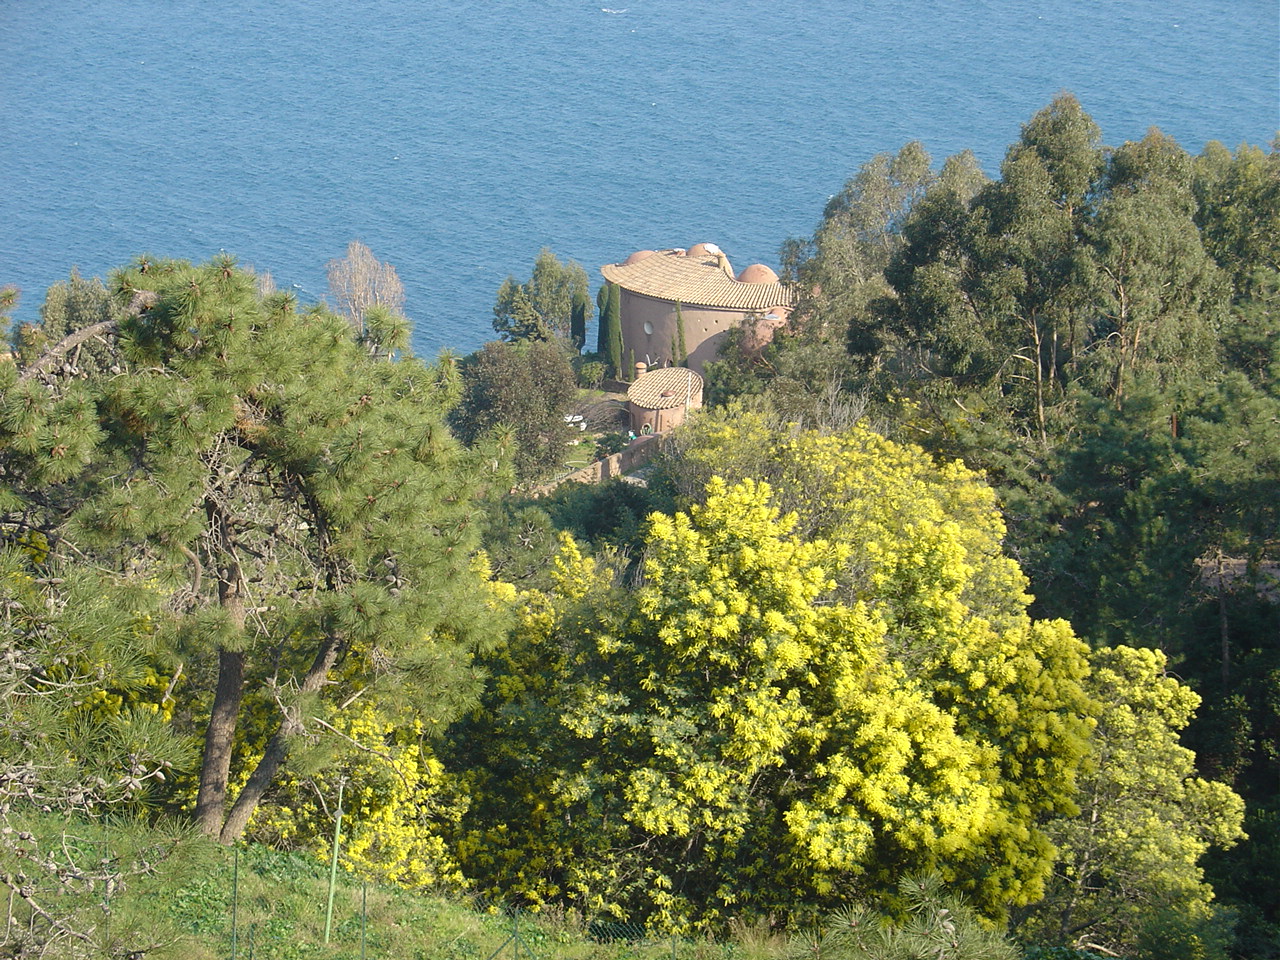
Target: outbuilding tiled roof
column 696, row 280
column 665, row 388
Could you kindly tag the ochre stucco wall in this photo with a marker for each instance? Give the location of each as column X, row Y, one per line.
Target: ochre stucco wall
column 704, row 328
column 657, row 421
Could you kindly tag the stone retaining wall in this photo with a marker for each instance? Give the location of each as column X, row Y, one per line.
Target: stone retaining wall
column 635, row 455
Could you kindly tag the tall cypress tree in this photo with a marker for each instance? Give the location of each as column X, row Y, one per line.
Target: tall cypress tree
column 578, row 319
column 612, row 324
column 682, row 350
column 602, row 329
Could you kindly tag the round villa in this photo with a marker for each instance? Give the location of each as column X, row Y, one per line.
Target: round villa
column 696, row 288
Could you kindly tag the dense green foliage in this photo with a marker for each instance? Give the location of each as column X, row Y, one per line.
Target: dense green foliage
column 552, row 304
column 609, row 334
column 1095, row 330
column 295, row 506
column 517, row 394
column 972, row 576
column 1133, row 853
column 935, row 926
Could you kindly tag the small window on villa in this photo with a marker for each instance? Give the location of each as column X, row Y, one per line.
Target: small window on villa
column 648, row 328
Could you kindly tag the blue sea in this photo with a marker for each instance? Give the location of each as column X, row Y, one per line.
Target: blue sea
column 457, row 139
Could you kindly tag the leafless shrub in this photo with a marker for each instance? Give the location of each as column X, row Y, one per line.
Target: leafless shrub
column 360, row 281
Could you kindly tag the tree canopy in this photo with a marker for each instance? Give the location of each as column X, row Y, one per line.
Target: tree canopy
column 969, row 577
column 299, row 507
column 553, row 303
column 523, row 390
column 1093, row 329
column 773, row 722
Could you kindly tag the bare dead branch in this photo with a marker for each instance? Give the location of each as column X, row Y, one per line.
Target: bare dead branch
column 67, row 343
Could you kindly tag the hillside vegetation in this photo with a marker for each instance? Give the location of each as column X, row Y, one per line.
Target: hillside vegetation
column 950, row 629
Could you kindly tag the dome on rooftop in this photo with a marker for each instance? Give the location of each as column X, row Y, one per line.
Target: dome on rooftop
column 757, row 273
column 637, row 257
column 703, row 250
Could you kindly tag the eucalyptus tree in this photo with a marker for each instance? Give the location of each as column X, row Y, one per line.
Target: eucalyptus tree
column 1160, row 299
column 552, row 303
column 1239, row 212
column 836, row 341
column 861, row 229
column 987, row 296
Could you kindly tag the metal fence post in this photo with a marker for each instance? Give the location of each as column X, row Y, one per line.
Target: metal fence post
column 235, row 902
column 106, row 887
column 333, row 866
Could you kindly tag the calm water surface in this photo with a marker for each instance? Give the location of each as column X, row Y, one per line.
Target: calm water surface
column 457, row 139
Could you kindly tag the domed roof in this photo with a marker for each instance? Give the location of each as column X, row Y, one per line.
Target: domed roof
column 707, row 281
column 702, row 250
column 757, row 273
column 637, row 257
column 666, row 388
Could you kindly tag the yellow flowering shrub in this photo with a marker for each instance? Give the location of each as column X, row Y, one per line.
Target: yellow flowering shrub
column 395, row 798
column 815, row 685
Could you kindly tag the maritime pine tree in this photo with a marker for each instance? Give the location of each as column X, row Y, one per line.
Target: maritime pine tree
column 297, row 503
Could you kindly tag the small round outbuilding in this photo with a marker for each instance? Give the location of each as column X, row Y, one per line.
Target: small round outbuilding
column 661, row 399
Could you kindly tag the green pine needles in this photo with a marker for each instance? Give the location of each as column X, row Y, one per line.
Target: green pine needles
column 295, row 503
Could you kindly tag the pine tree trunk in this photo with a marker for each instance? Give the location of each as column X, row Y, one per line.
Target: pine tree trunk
column 219, row 736
column 277, row 751
column 215, row 766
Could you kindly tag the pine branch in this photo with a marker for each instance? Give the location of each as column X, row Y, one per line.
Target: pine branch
column 142, row 300
column 391, row 761
column 63, row 346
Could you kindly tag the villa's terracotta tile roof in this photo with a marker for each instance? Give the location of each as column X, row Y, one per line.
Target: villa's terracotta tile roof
column 697, row 280
column 678, row 383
